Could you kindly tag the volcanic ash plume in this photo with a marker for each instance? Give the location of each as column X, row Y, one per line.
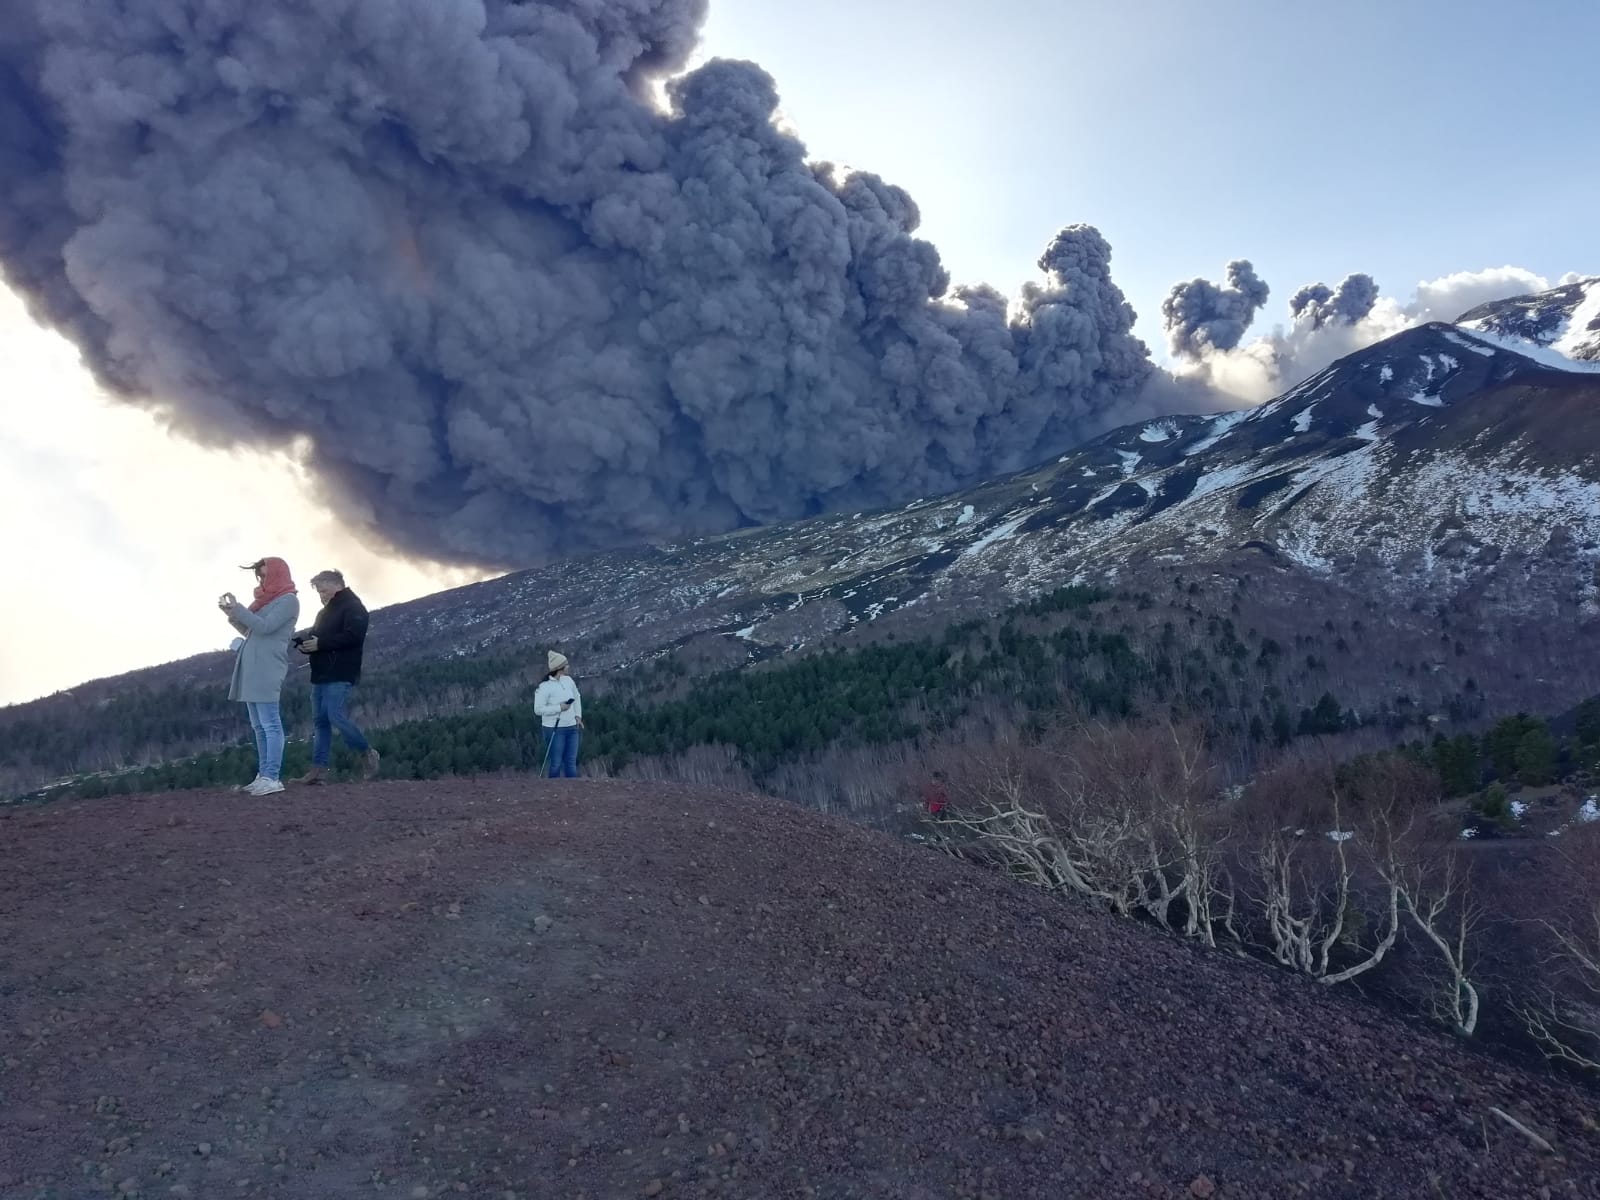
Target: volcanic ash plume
column 505, row 305
column 1317, row 305
column 1325, row 324
column 1201, row 316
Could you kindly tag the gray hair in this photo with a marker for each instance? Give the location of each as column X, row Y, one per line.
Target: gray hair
column 328, row 577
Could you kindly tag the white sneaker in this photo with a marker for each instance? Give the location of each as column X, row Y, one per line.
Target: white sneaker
column 245, row 787
column 264, row 787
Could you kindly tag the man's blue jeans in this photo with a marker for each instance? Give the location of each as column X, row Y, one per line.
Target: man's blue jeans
column 561, row 745
column 267, row 724
column 327, row 714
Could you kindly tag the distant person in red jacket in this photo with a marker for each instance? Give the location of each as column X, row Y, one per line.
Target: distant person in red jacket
column 934, row 797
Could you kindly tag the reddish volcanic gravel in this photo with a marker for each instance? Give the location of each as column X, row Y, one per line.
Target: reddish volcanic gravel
column 510, row 988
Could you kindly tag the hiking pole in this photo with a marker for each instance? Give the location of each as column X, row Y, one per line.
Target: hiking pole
column 549, row 743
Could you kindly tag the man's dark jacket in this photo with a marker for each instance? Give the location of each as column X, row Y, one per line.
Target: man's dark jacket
column 341, row 631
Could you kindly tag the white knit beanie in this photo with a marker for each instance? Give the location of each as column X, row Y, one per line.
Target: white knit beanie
column 557, row 661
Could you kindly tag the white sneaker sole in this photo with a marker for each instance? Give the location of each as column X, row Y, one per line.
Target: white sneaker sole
column 270, row 788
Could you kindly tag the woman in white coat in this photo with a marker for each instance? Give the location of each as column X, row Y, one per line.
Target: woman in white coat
column 560, row 708
column 260, row 663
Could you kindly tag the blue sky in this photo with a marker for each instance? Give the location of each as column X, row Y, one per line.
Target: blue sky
column 1410, row 140
column 1402, row 138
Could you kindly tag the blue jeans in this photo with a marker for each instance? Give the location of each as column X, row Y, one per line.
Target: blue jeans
column 561, row 747
column 327, row 714
column 267, row 724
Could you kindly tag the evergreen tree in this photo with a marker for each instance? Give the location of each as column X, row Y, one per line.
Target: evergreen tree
column 1326, row 717
column 1589, row 721
column 1501, row 743
column 1495, row 805
column 1536, row 757
column 1282, row 726
column 1457, row 762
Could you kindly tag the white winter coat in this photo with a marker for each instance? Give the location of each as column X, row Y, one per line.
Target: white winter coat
column 547, row 699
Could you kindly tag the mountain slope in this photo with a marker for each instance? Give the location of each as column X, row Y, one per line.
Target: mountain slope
column 1565, row 322
column 1442, row 483
column 1432, row 466
column 1432, row 461
column 1427, row 461
column 497, row 988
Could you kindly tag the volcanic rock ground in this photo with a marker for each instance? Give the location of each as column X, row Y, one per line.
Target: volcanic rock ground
column 511, row 988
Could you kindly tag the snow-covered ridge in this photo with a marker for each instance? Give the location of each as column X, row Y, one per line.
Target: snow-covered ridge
column 1545, row 356
column 1558, row 328
column 1581, row 336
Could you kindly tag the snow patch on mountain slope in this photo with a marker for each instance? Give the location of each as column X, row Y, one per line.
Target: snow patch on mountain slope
column 1160, row 431
column 1506, row 506
column 1466, row 344
column 1301, row 391
column 1575, row 339
column 1219, row 428
column 999, row 533
column 1545, row 356
column 1223, row 478
column 1525, row 502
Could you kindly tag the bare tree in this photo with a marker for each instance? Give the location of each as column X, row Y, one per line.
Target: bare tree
column 1161, row 774
column 1436, row 889
column 1127, row 816
column 1314, row 856
column 1564, row 1015
column 1195, row 818
column 1001, row 810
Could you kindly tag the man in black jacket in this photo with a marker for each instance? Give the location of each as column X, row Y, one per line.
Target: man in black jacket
column 333, row 644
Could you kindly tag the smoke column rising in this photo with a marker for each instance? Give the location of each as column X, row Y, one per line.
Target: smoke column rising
column 1201, row 316
column 1317, row 305
column 1325, row 324
column 504, row 306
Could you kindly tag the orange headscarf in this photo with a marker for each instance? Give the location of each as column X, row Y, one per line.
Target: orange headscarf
column 275, row 582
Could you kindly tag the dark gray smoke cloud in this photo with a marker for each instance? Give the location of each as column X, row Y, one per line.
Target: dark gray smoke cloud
column 1201, row 316
column 1317, row 305
column 505, row 305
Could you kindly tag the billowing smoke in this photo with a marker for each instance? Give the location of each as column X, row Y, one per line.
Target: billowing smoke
column 1327, row 323
column 1201, row 316
column 504, row 305
column 1317, row 305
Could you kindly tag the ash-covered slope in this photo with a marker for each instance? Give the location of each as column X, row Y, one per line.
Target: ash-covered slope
column 501, row 989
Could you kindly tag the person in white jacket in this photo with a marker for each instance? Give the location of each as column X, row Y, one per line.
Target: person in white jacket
column 560, row 708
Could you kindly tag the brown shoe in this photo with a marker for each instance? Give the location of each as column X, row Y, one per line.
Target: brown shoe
column 311, row 777
column 372, row 765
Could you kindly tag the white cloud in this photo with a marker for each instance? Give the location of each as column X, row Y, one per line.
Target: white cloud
column 1450, row 297
column 118, row 535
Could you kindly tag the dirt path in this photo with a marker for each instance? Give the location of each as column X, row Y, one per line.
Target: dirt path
column 504, row 988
